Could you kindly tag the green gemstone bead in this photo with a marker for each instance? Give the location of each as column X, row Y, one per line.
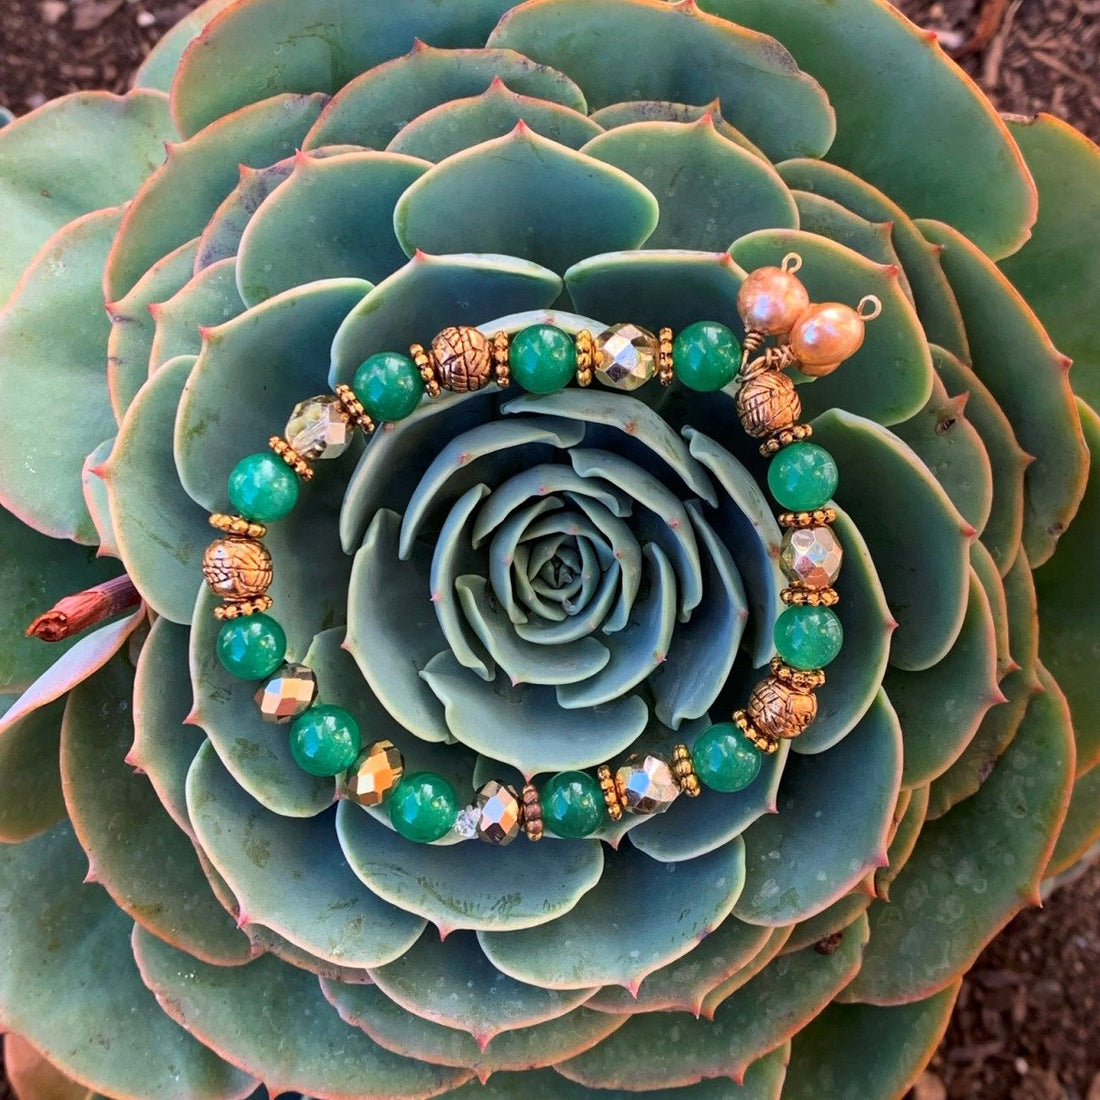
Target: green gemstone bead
column 572, row 804
column 423, row 807
column 803, row 477
column 263, row 487
column 542, row 358
column 724, row 758
column 707, row 356
column 251, row 647
column 808, row 637
column 325, row 740
column 388, row 385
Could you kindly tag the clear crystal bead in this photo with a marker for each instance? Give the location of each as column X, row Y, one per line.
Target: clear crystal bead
column 375, row 774
column 466, row 822
column 626, row 356
column 646, row 784
column 287, row 694
column 500, row 813
column 319, row 428
column 811, row 556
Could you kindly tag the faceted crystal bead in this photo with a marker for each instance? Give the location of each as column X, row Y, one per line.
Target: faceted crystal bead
column 375, row 774
column 646, row 784
column 466, row 822
column 627, row 356
column 319, row 428
column 811, row 556
column 500, row 815
column 289, row 692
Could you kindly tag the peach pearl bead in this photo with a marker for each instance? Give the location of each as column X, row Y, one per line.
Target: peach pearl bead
column 771, row 300
column 824, row 336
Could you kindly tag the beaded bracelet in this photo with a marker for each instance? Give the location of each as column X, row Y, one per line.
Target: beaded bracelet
column 706, row 356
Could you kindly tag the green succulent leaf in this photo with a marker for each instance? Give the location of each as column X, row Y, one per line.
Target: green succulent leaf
column 596, row 943
column 981, row 561
column 663, row 110
column 907, row 831
column 964, row 167
column 854, row 1051
column 320, row 1055
column 159, row 67
column 826, row 925
column 1014, row 357
column 127, row 1046
column 207, row 300
column 32, row 1077
column 40, row 470
column 375, row 107
column 677, row 52
column 691, row 167
column 537, row 188
column 31, row 799
column 1080, row 830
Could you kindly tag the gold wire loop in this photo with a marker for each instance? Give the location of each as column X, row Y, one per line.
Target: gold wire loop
column 792, row 262
column 871, row 303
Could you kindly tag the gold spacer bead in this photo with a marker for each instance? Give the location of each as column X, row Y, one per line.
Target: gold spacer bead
column 291, row 457
column 810, row 597
column 665, row 369
column 532, row 812
column 683, row 768
column 816, row 518
column 586, row 356
column 237, row 525
column 760, row 740
column 426, row 366
column 502, row 370
column 354, row 408
column 610, row 792
column 798, row 678
column 239, row 608
column 784, row 438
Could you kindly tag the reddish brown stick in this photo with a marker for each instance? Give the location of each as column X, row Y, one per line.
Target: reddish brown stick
column 75, row 613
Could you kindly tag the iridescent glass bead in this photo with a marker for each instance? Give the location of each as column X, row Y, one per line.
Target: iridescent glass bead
column 499, row 813
column 375, row 774
column 319, row 427
column 811, row 556
column 286, row 694
column 646, row 784
column 626, row 356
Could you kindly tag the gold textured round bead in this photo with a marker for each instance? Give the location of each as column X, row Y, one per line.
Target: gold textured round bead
column 237, row 568
column 463, row 359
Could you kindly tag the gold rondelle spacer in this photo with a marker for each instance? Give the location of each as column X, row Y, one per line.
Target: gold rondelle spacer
column 502, row 369
column 610, row 792
column 586, row 356
column 354, row 408
column 816, row 518
column 532, row 812
column 801, row 679
column 237, row 525
column 810, row 597
column 426, row 366
column 291, row 457
column 760, row 740
column 785, row 438
column 239, row 608
column 683, row 768
column 665, row 369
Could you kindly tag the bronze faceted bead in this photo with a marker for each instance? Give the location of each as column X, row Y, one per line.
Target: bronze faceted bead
column 501, row 814
column 767, row 402
column 778, row 710
column 463, row 359
column 237, row 569
column 375, row 774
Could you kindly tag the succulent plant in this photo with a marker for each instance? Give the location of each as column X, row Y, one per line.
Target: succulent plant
column 292, row 188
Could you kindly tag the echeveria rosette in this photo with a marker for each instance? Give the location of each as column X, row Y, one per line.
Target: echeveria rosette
column 506, row 584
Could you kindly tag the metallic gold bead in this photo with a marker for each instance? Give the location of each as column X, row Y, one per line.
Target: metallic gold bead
column 238, row 525
column 784, row 438
column 319, row 427
column 291, row 457
column 810, row 597
column 237, row 568
column 802, row 679
column 767, row 402
column 645, row 784
column 287, row 694
column 817, row 518
column 375, row 774
column 585, row 348
column 666, row 371
column 242, row 608
column 354, row 408
column 501, row 813
column 423, row 363
column 779, row 710
column 532, row 812
column 810, row 557
column 463, row 359
column 610, row 792
column 625, row 356
column 683, row 768
column 502, row 370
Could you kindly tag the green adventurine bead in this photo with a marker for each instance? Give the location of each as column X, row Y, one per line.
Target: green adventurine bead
column 572, row 804
column 262, row 487
column 388, row 385
column 707, row 356
column 803, row 477
column 725, row 760
column 423, row 807
column 251, row 647
column 542, row 358
column 808, row 637
column 325, row 740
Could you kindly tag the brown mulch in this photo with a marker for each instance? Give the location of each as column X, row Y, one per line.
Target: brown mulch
column 1026, row 1024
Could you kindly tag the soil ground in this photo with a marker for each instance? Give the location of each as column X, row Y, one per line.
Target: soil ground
column 1025, row 1027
